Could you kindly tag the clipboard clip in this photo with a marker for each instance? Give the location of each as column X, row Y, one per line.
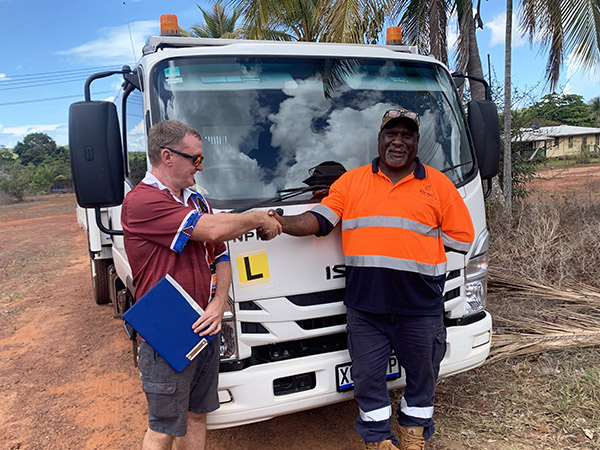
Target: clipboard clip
column 197, row 349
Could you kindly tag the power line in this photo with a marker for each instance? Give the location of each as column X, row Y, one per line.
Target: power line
column 51, row 98
column 87, row 69
column 41, row 82
column 62, row 76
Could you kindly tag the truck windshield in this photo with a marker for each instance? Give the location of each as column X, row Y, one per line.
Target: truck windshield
column 267, row 123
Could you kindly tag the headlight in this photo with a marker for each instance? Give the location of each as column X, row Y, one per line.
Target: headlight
column 476, row 285
column 228, row 345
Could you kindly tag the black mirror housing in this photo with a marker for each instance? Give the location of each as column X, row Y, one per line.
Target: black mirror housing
column 485, row 131
column 96, row 154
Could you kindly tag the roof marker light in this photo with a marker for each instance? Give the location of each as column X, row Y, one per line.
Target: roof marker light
column 168, row 25
column 393, row 36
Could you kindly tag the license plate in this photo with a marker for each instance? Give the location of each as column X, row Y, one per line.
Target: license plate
column 343, row 374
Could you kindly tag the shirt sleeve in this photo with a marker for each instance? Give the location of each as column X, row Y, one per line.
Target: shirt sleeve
column 157, row 217
column 221, row 253
column 457, row 227
column 331, row 209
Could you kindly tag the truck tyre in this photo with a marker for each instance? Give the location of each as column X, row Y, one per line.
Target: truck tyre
column 100, row 280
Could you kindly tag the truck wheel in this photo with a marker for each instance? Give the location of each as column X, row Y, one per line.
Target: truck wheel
column 100, row 280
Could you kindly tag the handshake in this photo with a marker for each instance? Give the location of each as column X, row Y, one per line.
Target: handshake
column 272, row 225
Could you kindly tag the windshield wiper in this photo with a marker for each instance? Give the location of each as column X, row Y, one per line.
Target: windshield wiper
column 455, row 167
column 284, row 194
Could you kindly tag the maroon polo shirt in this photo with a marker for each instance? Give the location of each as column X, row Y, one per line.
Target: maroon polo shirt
column 157, row 229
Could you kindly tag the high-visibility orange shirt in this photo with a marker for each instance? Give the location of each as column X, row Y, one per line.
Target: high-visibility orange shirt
column 394, row 237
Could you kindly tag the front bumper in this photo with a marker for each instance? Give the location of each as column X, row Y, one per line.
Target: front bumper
column 247, row 395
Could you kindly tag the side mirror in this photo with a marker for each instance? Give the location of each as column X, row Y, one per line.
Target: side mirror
column 485, row 131
column 96, row 154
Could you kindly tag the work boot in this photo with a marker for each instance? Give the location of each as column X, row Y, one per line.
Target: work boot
column 381, row 445
column 411, row 438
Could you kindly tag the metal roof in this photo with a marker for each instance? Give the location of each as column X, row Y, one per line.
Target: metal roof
column 549, row 133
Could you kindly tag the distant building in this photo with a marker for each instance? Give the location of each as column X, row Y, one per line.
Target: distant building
column 561, row 141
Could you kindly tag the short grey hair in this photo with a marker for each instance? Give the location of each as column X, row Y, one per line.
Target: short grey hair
column 168, row 133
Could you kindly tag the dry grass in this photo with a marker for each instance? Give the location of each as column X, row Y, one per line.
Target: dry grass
column 544, row 278
column 540, row 388
column 547, row 401
column 551, row 241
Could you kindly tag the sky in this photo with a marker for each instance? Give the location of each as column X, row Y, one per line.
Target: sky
column 50, row 48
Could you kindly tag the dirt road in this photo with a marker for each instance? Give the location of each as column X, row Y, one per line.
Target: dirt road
column 66, row 375
column 580, row 181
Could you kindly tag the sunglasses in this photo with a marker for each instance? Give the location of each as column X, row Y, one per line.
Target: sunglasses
column 395, row 113
column 196, row 159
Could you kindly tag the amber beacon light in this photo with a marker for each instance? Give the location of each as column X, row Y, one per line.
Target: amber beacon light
column 168, row 25
column 393, row 36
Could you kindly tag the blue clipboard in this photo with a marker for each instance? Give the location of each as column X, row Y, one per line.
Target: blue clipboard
column 164, row 317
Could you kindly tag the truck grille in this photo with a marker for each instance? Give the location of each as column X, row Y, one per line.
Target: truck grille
column 297, row 349
column 322, row 322
column 317, row 298
column 253, row 328
column 452, row 294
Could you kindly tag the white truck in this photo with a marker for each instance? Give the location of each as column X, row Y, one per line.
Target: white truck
column 280, row 122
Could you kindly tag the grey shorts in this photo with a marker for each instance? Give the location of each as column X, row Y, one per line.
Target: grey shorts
column 171, row 395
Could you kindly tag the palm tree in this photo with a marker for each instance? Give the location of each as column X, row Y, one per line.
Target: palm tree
column 287, row 20
column 217, row 24
column 563, row 26
column 425, row 24
column 314, row 20
column 507, row 185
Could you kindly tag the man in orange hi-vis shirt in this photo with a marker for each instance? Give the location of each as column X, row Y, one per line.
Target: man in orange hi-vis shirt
column 397, row 216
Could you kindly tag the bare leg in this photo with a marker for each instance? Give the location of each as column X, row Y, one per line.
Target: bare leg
column 153, row 440
column 195, row 439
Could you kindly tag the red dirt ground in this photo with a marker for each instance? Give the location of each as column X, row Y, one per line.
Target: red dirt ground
column 66, row 375
column 580, row 181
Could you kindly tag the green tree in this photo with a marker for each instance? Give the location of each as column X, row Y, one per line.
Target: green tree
column 35, row 148
column 137, row 166
column 595, row 108
column 41, row 178
column 556, row 109
column 217, row 24
column 14, row 179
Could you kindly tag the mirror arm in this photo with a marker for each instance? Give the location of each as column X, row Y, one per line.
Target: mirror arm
column 488, row 191
column 488, row 91
column 86, row 89
column 102, row 227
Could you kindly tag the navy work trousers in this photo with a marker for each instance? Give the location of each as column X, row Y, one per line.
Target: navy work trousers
column 419, row 344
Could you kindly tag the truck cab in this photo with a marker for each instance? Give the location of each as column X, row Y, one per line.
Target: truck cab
column 280, row 121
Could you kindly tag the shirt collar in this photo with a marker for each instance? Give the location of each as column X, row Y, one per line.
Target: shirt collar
column 419, row 171
column 151, row 180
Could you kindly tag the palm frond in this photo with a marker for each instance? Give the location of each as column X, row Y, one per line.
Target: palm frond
column 569, row 318
column 563, row 27
column 217, row 23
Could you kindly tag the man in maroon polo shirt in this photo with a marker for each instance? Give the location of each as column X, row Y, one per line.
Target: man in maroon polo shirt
column 169, row 228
